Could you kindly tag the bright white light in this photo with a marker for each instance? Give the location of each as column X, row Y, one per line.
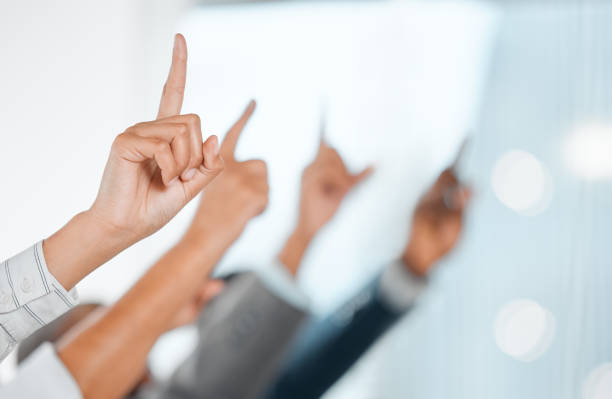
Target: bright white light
column 588, row 151
column 171, row 349
column 599, row 383
column 521, row 182
column 524, row 329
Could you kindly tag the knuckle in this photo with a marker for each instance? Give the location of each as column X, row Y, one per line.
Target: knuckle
column 193, row 119
column 160, row 146
column 250, row 191
column 119, row 140
column 260, row 166
column 183, row 130
column 263, row 201
column 132, row 128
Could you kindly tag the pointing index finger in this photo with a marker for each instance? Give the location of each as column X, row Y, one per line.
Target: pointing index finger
column 174, row 89
column 231, row 138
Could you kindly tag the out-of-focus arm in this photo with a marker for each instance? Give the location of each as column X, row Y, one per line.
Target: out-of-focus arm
column 109, row 357
column 327, row 348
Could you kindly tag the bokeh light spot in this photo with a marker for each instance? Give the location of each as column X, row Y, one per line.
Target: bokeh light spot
column 587, row 151
column 522, row 183
column 524, row 329
column 598, row 384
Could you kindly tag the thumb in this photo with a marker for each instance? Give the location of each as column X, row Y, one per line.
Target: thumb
column 361, row 176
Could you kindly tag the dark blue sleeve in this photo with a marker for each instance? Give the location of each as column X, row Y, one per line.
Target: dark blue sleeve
column 330, row 347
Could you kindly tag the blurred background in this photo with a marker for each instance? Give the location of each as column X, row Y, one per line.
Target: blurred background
column 521, row 309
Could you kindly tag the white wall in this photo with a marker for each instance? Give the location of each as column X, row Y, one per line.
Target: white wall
column 75, row 74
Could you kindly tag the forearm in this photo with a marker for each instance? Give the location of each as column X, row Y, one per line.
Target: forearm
column 338, row 346
column 115, row 348
column 341, row 339
column 79, row 247
column 292, row 253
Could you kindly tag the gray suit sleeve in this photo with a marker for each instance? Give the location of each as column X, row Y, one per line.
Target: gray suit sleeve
column 244, row 334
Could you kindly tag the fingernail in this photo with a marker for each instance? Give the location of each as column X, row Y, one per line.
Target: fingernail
column 175, row 41
column 188, row 175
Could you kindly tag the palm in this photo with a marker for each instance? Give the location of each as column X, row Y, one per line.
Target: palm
column 325, row 183
column 135, row 195
column 437, row 222
column 321, row 204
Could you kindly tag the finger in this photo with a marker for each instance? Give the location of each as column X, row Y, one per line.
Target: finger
column 331, row 157
column 174, row 89
column 456, row 198
column 463, row 197
column 179, row 135
column 210, row 154
column 323, row 143
column 165, row 127
column 210, row 289
column 197, row 155
column 447, row 178
column 139, row 149
column 231, row 138
column 208, row 170
column 361, row 176
column 324, row 148
column 163, row 130
column 185, row 134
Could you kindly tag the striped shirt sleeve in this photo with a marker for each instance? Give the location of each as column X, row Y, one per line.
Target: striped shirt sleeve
column 30, row 297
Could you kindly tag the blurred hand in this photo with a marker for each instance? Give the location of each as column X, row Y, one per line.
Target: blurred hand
column 437, row 223
column 236, row 196
column 325, row 183
column 155, row 168
column 191, row 310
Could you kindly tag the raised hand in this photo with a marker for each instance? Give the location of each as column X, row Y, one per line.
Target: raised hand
column 437, row 223
column 236, row 196
column 325, row 183
column 157, row 167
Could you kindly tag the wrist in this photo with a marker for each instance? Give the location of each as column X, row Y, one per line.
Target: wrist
column 294, row 249
column 302, row 235
column 80, row 246
column 416, row 263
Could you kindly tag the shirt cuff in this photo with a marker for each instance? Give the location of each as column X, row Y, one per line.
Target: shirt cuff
column 30, row 297
column 400, row 288
column 42, row 375
column 281, row 283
